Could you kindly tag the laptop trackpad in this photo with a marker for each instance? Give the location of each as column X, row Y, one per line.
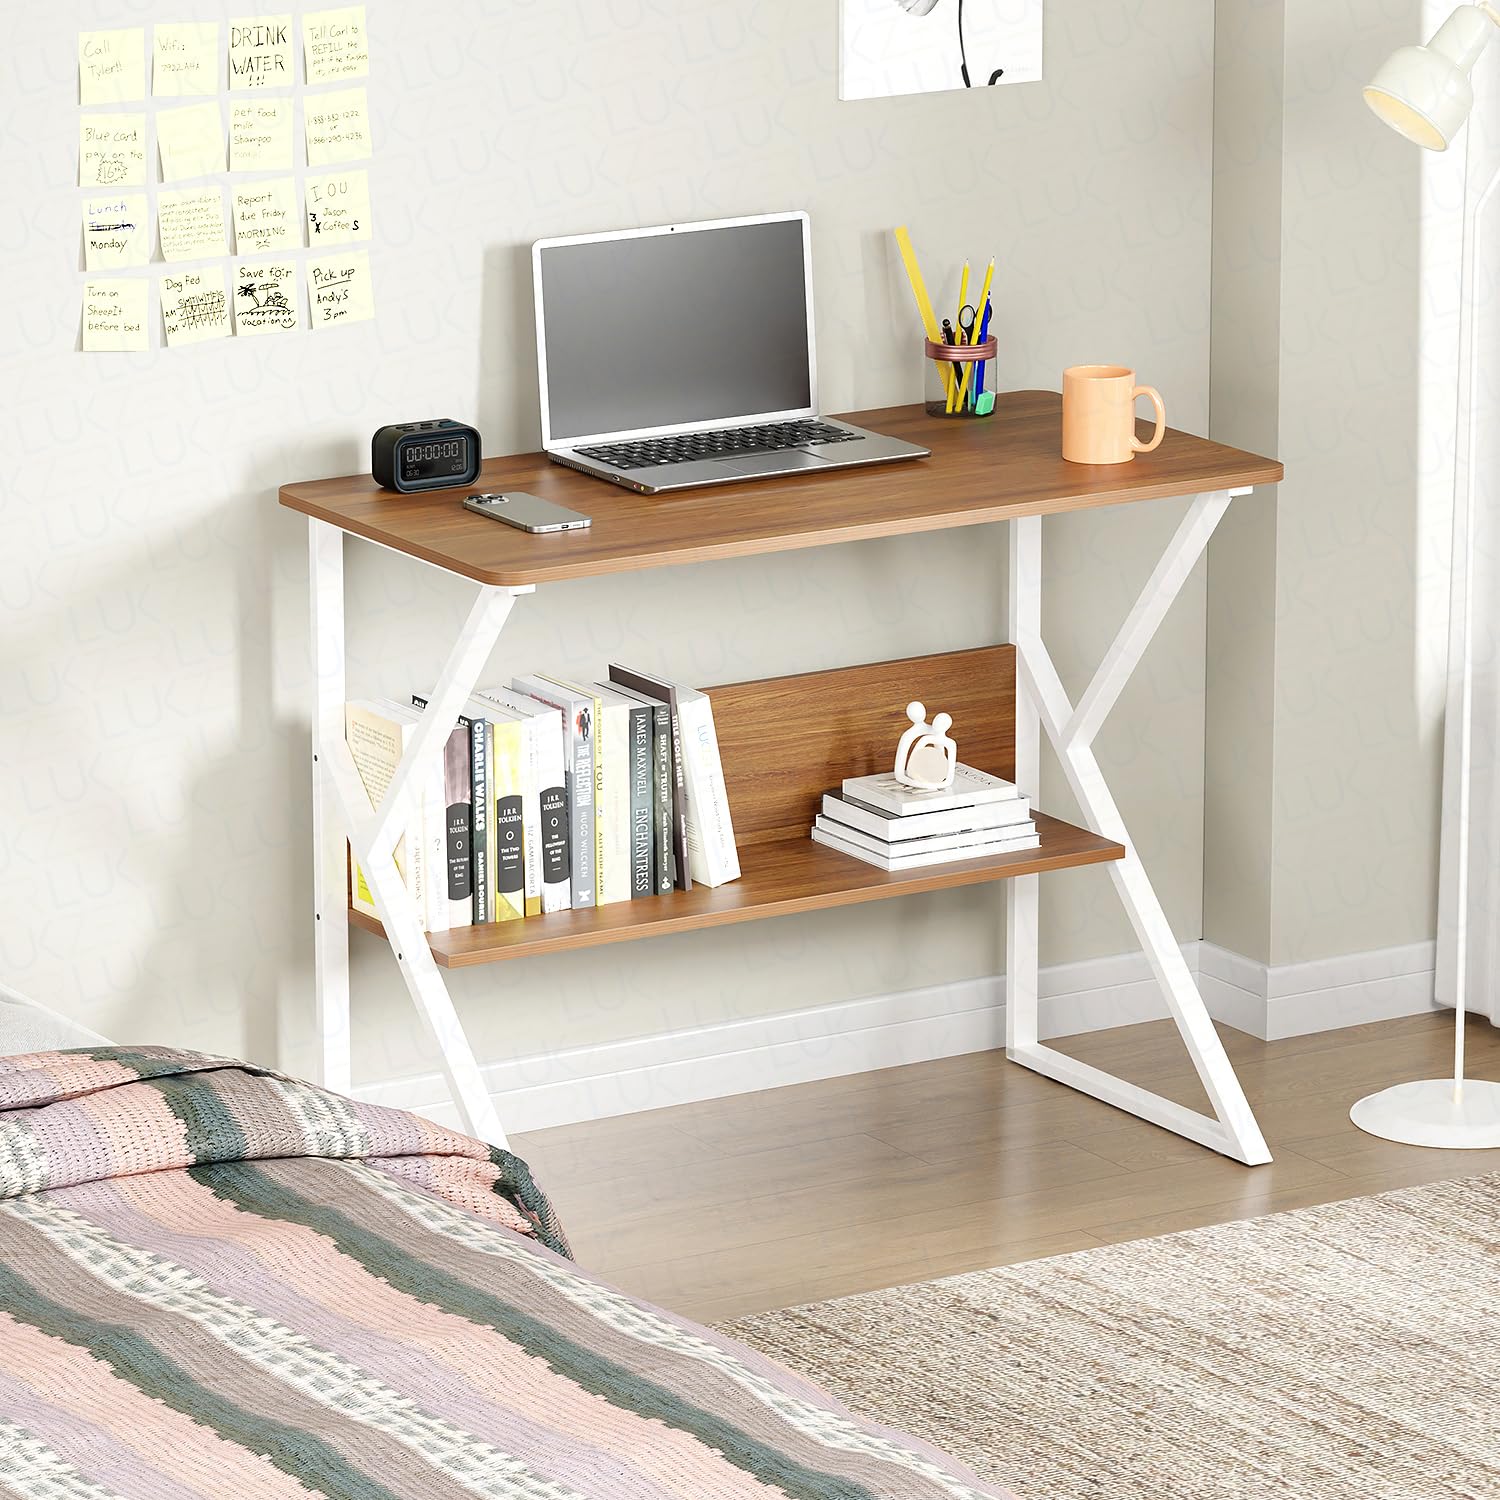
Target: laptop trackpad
column 782, row 462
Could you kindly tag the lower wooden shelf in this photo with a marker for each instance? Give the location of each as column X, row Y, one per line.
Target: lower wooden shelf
column 777, row 879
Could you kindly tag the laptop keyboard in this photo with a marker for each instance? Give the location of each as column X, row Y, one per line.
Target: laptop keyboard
column 684, row 447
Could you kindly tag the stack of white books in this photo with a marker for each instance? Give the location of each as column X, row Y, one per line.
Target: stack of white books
column 886, row 823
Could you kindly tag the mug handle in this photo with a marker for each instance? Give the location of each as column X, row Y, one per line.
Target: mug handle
column 1161, row 418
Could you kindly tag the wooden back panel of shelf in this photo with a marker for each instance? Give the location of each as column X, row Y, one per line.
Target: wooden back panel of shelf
column 785, row 741
column 1006, row 466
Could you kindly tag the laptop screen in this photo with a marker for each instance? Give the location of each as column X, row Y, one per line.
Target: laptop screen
column 674, row 327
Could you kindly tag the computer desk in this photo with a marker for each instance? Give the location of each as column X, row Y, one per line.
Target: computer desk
column 1003, row 698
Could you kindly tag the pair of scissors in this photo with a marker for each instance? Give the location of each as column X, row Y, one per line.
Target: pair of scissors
column 968, row 316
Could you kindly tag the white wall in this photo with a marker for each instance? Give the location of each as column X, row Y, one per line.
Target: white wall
column 154, row 861
column 1335, row 298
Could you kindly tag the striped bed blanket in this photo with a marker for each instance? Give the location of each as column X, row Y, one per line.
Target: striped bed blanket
column 218, row 1281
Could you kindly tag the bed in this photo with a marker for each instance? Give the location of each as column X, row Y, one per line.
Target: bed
column 218, row 1281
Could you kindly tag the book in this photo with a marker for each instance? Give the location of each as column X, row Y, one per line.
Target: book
column 663, row 859
column 666, row 692
column 576, row 711
column 507, row 779
column 640, row 801
column 425, row 845
column 458, row 795
column 481, row 838
column 531, row 801
column 435, row 843
column 376, row 740
column 612, row 792
column 546, row 807
column 893, row 829
column 943, row 843
column 896, row 862
column 970, row 788
column 710, row 855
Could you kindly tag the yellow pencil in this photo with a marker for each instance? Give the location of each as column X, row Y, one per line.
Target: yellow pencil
column 984, row 296
column 963, row 299
column 919, row 291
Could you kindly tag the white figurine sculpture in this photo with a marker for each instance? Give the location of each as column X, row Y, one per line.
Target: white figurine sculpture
column 925, row 757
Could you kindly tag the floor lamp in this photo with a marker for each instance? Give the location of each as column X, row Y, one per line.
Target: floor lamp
column 1424, row 93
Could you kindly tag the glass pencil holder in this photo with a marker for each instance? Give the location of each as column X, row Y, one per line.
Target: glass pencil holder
column 960, row 378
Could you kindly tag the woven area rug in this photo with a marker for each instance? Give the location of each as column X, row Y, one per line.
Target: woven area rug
column 1336, row 1353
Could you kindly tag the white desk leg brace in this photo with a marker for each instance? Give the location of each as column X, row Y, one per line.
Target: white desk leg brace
column 341, row 809
column 1042, row 703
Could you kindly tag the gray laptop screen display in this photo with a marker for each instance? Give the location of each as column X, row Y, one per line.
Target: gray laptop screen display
column 668, row 329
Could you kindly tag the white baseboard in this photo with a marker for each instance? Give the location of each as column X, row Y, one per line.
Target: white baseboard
column 1325, row 994
column 885, row 1031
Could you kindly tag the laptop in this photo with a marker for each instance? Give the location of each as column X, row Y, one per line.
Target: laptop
column 681, row 356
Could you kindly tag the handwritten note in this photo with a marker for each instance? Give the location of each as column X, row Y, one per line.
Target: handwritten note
column 116, row 231
column 265, row 297
column 338, row 127
column 260, row 135
column 265, row 217
column 260, row 52
column 195, row 306
column 114, row 315
column 111, row 150
column 335, row 44
column 339, row 289
column 191, row 222
column 111, row 65
column 185, row 59
column 338, row 208
column 191, row 141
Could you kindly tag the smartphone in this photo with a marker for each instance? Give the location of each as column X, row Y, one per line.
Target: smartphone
column 526, row 512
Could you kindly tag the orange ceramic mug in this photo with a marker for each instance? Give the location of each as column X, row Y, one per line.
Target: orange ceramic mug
column 1099, row 415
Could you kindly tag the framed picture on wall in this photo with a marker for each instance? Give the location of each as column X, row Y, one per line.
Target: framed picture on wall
column 889, row 47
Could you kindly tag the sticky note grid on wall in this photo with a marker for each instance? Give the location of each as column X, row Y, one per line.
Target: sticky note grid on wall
column 225, row 191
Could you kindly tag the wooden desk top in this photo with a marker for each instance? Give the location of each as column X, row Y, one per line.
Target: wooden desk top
column 983, row 470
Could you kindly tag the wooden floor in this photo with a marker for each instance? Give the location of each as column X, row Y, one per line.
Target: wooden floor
column 815, row 1191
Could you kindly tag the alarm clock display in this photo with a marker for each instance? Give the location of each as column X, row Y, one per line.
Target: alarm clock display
column 434, row 455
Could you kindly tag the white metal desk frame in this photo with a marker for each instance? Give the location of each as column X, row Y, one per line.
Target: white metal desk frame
column 341, row 809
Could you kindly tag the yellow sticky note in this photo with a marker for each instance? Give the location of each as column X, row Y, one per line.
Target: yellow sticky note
column 260, row 135
column 195, row 306
column 191, row 222
column 111, row 150
column 191, row 141
column 185, row 59
column 338, row 127
column 339, row 289
column 114, row 315
column 265, row 297
column 335, row 44
column 116, row 231
column 111, row 65
column 265, row 217
column 260, row 52
column 338, row 207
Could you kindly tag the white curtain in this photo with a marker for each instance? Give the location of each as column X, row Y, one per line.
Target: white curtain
column 1480, row 912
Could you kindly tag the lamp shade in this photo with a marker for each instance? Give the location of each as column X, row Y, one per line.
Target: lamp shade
column 1424, row 93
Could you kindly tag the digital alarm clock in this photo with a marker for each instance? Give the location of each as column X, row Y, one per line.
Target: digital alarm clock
column 409, row 456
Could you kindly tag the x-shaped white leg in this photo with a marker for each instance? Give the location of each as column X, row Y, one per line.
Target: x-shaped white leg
column 342, row 809
column 1042, row 703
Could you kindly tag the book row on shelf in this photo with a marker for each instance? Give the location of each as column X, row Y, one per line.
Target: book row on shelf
column 552, row 795
column 886, row 823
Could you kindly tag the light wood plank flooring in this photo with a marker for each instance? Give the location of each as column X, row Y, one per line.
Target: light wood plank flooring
column 823, row 1189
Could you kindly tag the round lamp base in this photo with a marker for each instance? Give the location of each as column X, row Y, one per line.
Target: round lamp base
column 1434, row 1113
